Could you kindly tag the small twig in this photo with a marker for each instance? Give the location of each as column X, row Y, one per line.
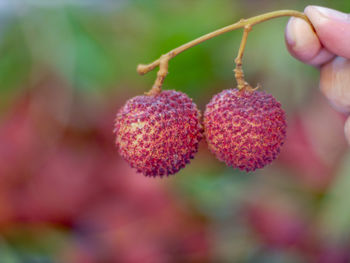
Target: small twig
column 243, row 23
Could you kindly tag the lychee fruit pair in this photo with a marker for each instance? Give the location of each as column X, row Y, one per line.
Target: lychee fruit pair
column 159, row 134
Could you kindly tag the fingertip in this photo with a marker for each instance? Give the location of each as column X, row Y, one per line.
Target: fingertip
column 301, row 41
column 332, row 27
column 320, row 14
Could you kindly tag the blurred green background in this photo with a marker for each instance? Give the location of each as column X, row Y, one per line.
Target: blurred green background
column 66, row 67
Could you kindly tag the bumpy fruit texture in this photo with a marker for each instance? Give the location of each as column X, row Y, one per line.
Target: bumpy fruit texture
column 245, row 129
column 158, row 134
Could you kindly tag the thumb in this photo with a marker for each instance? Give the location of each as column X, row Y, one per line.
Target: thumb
column 332, row 28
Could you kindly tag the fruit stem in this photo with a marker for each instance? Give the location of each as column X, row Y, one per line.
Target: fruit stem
column 162, row 62
column 239, row 75
column 161, row 74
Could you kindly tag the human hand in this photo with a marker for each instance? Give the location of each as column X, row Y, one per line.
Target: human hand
column 328, row 49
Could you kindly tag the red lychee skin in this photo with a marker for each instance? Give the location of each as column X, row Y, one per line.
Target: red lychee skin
column 158, row 134
column 245, row 129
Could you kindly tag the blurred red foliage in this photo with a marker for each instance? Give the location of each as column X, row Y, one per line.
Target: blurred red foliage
column 279, row 223
column 77, row 181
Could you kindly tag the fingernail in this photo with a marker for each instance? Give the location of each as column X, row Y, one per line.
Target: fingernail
column 330, row 13
column 300, row 38
column 290, row 35
column 295, row 32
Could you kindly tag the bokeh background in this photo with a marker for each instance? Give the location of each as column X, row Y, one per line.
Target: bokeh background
column 67, row 66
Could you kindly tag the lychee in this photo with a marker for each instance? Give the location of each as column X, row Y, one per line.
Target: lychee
column 245, row 129
column 158, row 134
